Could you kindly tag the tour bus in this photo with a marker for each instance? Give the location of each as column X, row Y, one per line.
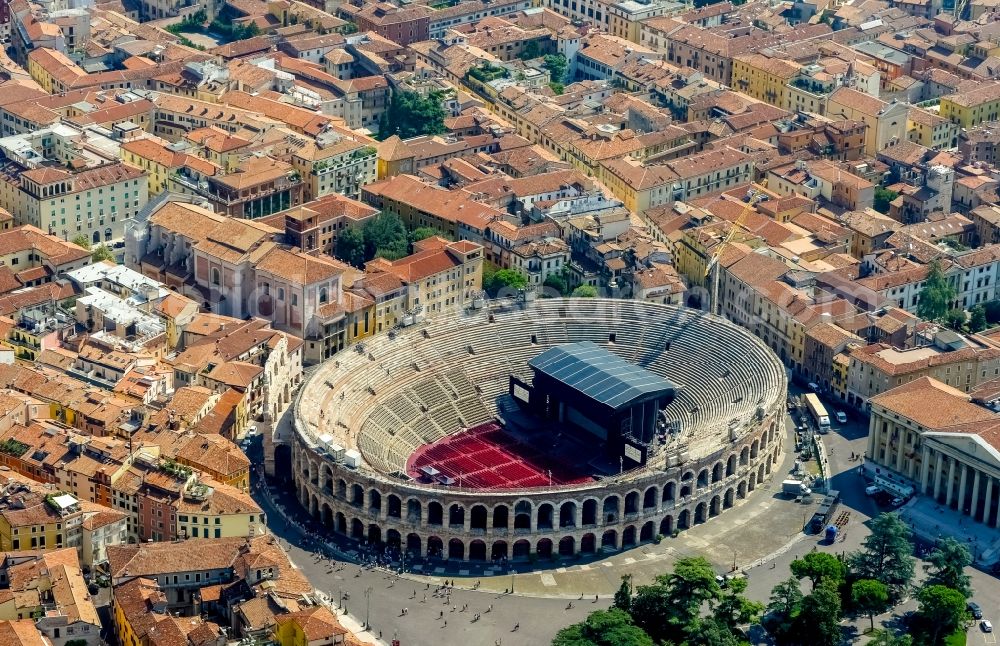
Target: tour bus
column 818, row 412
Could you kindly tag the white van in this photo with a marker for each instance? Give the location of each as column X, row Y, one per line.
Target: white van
column 841, row 417
column 871, row 490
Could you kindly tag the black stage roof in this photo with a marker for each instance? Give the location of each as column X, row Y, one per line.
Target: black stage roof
column 600, row 375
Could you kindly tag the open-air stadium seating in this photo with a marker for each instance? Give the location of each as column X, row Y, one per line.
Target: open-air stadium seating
column 721, row 371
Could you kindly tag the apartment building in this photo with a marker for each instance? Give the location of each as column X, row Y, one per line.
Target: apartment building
column 886, row 121
column 972, row 107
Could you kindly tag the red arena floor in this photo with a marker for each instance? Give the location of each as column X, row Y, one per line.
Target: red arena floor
column 486, row 457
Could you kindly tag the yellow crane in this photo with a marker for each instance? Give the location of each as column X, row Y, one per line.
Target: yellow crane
column 754, row 195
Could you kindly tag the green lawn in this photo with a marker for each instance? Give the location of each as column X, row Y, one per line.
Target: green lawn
column 957, row 638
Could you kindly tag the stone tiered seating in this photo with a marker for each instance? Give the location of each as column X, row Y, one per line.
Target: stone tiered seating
column 722, row 372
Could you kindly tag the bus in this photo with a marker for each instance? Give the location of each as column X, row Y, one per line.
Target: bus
column 818, row 412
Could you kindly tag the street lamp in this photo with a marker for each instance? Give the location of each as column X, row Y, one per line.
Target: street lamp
column 368, row 611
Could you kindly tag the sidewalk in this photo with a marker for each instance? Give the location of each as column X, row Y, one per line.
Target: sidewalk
column 931, row 520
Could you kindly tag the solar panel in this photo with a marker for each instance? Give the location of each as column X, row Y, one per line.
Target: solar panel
column 601, row 375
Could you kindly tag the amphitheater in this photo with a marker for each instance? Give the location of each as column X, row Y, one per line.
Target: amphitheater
column 420, row 392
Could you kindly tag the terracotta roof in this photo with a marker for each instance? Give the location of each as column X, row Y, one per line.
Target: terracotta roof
column 933, row 404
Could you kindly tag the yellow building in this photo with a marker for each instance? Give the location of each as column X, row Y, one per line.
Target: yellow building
column 214, row 510
column 972, row 107
column 44, row 522
column 152, row 155
column 764, row 78
column 315, row 626
column 930, row 130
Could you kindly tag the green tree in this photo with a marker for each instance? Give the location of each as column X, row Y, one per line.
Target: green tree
column 557, row 88
column 669, row 607
column 733, row 609
column 883, row 197
column 886, row 554
column 936, row 295
column 940, row 612
column 557, row 282
column 531, row 50
column 385, row 236
column 503, row 280
column 603, row 628
column 955, row 319
column 818, row 566
column 584, row 291
column 710, row 631
column 977, row 318
column 783, row 607
column 81, row 241
column 410, row 115
column 102, row 253
column 421, row 233
column 870, row 598
column 946, row 566
column 885, row 637
column 818, row 621
column 623, row 596
column 556, row 64
column 351, row 246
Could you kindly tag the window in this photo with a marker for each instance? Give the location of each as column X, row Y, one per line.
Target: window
column 215, row 276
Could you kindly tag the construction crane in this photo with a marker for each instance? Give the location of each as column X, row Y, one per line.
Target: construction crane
column 754, row 195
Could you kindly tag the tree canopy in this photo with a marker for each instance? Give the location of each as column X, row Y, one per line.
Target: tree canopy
column 81, row 241
column 497, row 280
column 101, row 253
column 385, row 237
column 611, row 627
column 585, row 291
column 870, row 598
column 886, row 554
column 818, row 621
column 883, row 197
column 946, row 566
column 937, row 294
column 819, row 566
column 672, row 604
column 410, row 115
column 977, row 318
column 941, row 610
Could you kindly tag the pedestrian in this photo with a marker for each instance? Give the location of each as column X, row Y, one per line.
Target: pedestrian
column 445, row 623
column 441, row 614
column 489, row 608
column 516, row 626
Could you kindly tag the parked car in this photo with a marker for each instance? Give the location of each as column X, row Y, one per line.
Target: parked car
column 975, row 610
column 871, row 490
column 841, row 417
column 986, row 626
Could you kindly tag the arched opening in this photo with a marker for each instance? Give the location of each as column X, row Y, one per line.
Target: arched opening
column 628, row 536
column 717, row 472
column 632, row 502
column 500, row 517
column 744, row 457
column 754, row 448
column 611, row 509
column 685, row 491
column 357, row 529
column 669, row 492
column 313, row 474
column 715, row 506
column 477, row 550
column 314, row 508
column 567, row 514
column 589, row 512
column 752, row 482
column 498, row 551
column 393, row 539
column 647, row 531
column 456, row 515
column 374, row 501
column 435, row 547
column 327, row 516
column 703, row 478
column 414, row 511
column 327, row 480
column 521, row 549
column 456, row 549
column 413, row 544
column 342, row 489
column 435, row 513
column 544, row 548
column 667, row 525
column 341, row 523
column 684, row 519
column 374, row 534
column 609, row 540
column 477, row 519
column 700, row 514
column 688, row 475
column 729, row 498
column 649, row 499
column 731, row 466
column 760, row 473
column 588, row 544
column 567, row 546
column 357, row 495
column 394, row 506
column 544, row 516
column 741, row 490
column 522, row 515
